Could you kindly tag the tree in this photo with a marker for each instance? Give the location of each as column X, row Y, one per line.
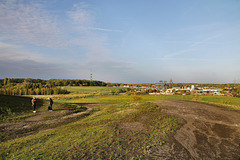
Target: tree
column 5, row 81
column 27, row 80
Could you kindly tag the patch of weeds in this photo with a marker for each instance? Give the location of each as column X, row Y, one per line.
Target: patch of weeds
column 80, row 109
column 14, row 117
column 226, row 101
column 75, row 108
column 135, row 98
column 196, row 98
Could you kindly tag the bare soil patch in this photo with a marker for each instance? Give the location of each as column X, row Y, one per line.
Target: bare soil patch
column 207, row 132
column 132, row 126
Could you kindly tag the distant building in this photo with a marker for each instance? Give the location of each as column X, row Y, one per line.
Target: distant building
column 192, row 88
column 161, row 85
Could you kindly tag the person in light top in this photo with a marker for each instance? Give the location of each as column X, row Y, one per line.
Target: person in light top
column 34, row 103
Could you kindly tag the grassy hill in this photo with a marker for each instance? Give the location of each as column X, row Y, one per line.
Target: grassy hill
column 115, row 129
column 13, row 107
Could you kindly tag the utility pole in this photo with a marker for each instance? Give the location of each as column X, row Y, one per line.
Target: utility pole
column 91, row 78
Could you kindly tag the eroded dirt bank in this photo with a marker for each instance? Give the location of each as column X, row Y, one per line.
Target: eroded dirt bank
column 208, row 132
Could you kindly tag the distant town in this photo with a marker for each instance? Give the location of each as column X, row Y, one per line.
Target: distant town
column 170, row 88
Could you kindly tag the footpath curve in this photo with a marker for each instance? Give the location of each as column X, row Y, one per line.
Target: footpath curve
column 42, row 121
column 207, row 132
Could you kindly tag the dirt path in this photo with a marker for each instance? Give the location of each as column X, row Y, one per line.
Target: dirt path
column 208, row 132
column 43, row 120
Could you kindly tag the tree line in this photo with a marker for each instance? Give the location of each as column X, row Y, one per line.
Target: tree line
column 74, row 82
column 28, row 86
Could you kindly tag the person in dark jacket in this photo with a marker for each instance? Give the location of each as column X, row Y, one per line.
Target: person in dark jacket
column 50, row 104
column 34, row 103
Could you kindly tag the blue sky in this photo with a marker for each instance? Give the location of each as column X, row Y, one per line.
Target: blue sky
column 137, row 41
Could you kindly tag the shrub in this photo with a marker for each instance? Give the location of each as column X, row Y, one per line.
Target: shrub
column 135, row 98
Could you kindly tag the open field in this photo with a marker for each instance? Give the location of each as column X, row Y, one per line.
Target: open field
column 89, row 89
column 95, row 123
column 112, row 95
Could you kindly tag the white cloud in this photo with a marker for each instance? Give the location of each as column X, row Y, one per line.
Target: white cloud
column 28, row 23
column 84, row 25
column 84, row 20
column 80, row 15
column 193, row 46
column 104, row 29
column 10, row 52
column 22, row 24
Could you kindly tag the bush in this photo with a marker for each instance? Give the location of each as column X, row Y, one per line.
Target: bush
column 135, row 98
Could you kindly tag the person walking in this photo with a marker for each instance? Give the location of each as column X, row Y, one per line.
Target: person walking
column 50, row 104
column 34, row 102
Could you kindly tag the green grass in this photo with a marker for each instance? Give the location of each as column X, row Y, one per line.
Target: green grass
column 98, row 136
column 91, row 89
column 122, row 98
column 15, row 108
column 229, row 103
column 20, row 104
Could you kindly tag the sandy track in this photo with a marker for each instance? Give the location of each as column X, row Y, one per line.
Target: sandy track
column 208, row 132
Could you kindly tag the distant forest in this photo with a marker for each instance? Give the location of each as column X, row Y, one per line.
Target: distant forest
column 28, row 86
